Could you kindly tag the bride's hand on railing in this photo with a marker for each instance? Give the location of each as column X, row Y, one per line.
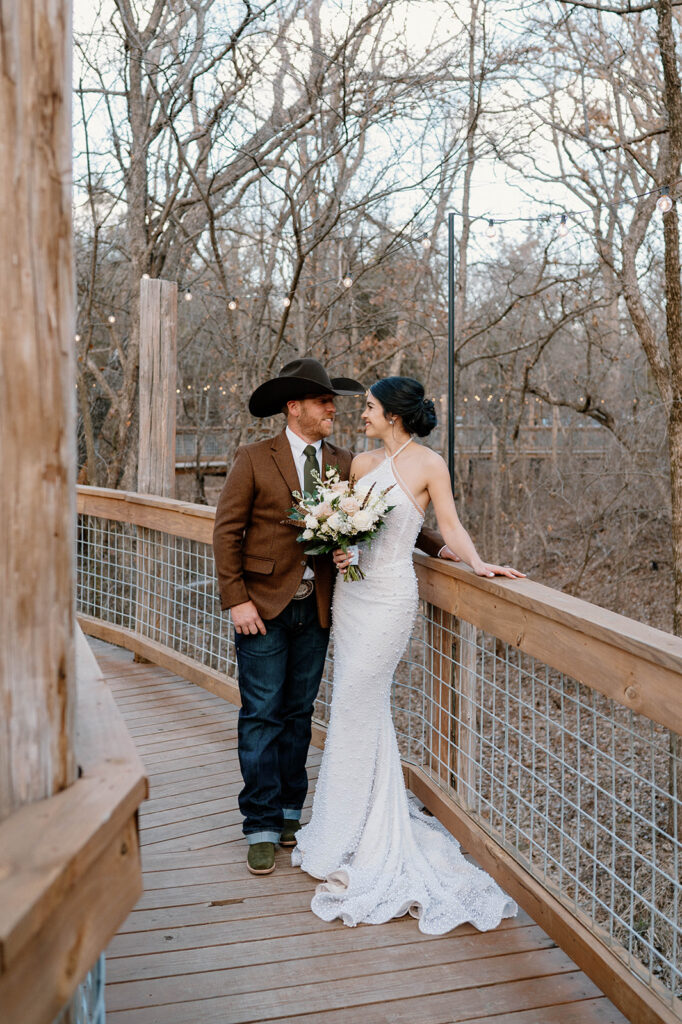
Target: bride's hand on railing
column 489, row 569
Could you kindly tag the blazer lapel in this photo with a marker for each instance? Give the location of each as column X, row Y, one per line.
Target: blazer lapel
column 284, row 461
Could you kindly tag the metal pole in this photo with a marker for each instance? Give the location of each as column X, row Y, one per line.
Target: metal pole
column 451, row 348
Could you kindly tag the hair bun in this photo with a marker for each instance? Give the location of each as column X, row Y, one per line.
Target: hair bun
column 405, row 397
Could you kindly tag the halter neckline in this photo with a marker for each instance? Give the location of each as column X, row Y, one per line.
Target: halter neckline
column 402, row 447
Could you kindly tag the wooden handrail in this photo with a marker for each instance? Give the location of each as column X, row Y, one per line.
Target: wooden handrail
column 70, row 868
column 636, row 665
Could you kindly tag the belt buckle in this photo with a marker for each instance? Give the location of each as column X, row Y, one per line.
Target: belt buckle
column 305, row 589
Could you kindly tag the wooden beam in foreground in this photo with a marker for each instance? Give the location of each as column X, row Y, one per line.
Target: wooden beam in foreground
column 70, row 867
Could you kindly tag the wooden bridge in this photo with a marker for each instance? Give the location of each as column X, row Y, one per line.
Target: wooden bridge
column 209, row 942
column 534, row 725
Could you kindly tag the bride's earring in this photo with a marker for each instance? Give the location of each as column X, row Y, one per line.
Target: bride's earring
column 391, row 422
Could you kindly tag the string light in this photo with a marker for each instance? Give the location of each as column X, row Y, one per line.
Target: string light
column 76, row 337
column 188, row 296
column 111, row 318
column 664, row 204
column 287, row 302
column 145, row 277
column 233, row 303
column 426, row 243
column 347, row 281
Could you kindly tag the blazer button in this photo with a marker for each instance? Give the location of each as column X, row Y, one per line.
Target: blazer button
column 303, row 562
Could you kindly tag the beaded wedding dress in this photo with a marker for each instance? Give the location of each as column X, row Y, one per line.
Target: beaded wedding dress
column 379, row 855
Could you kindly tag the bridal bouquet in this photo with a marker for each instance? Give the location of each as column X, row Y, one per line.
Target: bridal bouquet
column 338, row 514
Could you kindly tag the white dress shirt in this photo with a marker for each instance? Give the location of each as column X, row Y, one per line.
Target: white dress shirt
column 297, row 444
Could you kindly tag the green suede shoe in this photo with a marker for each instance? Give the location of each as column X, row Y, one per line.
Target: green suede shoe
column 289, row 829
column 261, row 858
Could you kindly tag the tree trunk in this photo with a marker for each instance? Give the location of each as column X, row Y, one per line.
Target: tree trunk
column 37, row 404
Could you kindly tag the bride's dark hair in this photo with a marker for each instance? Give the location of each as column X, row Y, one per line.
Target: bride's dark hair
column 404, row 397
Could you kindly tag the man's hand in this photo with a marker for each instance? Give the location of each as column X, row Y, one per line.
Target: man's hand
column 246, row 619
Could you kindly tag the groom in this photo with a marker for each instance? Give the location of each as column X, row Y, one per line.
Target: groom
column 280, row 600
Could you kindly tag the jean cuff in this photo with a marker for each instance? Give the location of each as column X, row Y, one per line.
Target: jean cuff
column 262, row 837
column 291, row 813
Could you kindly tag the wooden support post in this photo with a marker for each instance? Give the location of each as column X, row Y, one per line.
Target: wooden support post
column 156, row 460
column 465, row 737
column 158, row 374
column 37, row 422
column 440, row 639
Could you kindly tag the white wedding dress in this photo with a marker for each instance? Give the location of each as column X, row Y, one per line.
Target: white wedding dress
column 379, row 856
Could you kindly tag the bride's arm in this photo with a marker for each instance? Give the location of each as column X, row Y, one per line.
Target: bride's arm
column 454, row 534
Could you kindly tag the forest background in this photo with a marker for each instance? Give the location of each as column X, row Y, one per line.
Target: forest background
column 292, row 163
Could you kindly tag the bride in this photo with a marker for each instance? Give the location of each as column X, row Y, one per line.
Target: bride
column 378, row 855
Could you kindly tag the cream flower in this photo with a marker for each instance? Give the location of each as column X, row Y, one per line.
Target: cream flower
column 350, row 505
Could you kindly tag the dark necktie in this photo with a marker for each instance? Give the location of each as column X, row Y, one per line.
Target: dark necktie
column 309, row 465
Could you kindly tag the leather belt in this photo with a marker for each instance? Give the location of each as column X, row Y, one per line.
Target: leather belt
column 305, row 589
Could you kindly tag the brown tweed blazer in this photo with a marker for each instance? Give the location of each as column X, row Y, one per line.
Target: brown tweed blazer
column 259, row 559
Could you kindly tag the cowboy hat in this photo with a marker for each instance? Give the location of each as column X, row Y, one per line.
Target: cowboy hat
column 298, row 379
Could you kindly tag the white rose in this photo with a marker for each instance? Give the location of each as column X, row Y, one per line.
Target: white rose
column 311, row 522
column 308, row 534
column 363, row 519
column 335, row 523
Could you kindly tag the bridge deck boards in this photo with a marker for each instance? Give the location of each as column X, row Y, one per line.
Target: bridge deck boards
column 208, row 942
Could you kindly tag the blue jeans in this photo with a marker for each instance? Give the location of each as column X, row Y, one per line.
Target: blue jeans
column 279, row 676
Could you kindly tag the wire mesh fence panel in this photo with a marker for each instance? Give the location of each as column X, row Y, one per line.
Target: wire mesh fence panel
column 87, row 1005
column 582, row 791
column 161, row 586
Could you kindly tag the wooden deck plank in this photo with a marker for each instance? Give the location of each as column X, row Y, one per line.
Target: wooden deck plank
column 210, row 942
column 493, row 987
column 254, row 926
column 541, row 1001
column 313, row 954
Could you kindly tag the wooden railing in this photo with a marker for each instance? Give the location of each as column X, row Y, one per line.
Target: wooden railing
column 70, row 868
column 542, row 730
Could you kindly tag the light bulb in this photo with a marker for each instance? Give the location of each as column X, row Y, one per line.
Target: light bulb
column 232, row 304
column 492, row 230
column 287, row 302
column 145, row 277
column 426, row 242
column 111, row 319
column 347, row 281
column 664, row 202
column 188, row 296
column 563, row 226
column 76, row 337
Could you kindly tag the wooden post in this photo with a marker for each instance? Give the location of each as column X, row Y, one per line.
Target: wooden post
column 156, row 461
column 465, row 712
column 37, row 423
column 158, row 373
column 440, row 638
